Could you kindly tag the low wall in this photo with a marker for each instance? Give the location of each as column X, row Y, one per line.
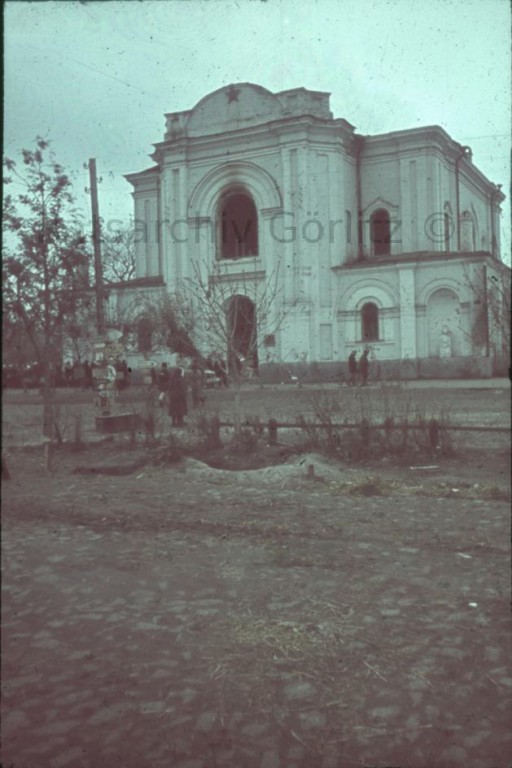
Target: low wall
column 426, row 368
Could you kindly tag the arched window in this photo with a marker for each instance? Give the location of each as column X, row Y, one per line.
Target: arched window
column 369, row 322
column 144, row 335
column 380, row 232
column 238, row 226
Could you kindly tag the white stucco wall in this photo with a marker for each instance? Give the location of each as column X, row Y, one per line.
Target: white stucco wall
column 302, row 176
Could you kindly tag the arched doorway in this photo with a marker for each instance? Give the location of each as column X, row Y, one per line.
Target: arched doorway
column 241, row 323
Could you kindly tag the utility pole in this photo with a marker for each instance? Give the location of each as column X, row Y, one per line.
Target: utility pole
column 96, row 239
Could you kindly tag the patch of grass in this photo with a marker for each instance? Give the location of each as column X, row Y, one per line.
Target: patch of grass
column 374, row 485
column 297, row 638
column 370, row 486
column 285, row 637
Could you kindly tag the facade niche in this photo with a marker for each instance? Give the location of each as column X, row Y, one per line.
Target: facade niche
column 238, row 231
column 380, row 232
column 448, row 227
column 467, row 232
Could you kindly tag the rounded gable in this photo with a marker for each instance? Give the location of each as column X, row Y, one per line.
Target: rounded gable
column 233, row 107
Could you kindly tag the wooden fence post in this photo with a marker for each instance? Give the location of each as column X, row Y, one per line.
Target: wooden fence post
column 433, row 434
column 215, row 432
column 272, row 432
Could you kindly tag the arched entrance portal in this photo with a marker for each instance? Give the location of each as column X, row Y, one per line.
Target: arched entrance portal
column 243, row 346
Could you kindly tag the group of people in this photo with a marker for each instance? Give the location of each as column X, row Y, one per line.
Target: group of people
column 79, row 374
column 358, row 368
column 76, row 374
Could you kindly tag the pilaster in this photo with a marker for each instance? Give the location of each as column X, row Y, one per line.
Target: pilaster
column 406, row 286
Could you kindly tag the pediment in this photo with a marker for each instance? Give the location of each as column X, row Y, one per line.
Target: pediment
column 380, row 202
column 233, row 107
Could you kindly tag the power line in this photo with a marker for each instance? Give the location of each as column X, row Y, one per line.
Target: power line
column 99, row 71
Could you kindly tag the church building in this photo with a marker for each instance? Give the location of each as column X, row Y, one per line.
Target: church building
column 388, row 242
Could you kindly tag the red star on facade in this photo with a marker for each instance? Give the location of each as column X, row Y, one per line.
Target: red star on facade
column 232, row 94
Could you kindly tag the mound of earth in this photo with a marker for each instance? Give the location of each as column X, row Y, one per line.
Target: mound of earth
column 297, row 467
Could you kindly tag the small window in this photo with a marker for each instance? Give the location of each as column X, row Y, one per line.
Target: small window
column 380, row 232
column 238, row 227
column 370, row 322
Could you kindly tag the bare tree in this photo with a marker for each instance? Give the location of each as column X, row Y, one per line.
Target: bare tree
column 490, row 285
column 118, row 254
column 218, row 314
column 228, row 311
column 172, row 322
column 499, row 309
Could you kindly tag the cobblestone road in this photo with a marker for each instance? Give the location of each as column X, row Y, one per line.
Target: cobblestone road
column 193, row 619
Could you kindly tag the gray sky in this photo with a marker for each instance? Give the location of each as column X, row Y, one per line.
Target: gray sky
column 96, row 78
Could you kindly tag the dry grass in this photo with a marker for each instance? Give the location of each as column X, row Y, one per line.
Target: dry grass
column 288, row 638
column 322, row 626
column 261, row 649
column 376, row 485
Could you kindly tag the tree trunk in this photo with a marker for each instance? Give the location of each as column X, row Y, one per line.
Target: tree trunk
column 48, row 407
column 238, row 409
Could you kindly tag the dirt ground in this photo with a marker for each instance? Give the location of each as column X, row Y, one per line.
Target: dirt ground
column 307, row 613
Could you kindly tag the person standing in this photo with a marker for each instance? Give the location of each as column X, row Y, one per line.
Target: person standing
column 126, row 373
column 163, row 383
column 177, row 397
column 364, row 367
column 87, row 375
column 352, row 368
column 110, row 374
column 196, row 384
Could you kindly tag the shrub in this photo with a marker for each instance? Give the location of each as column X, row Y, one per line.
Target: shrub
column 387, row 420
column 170, row 451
